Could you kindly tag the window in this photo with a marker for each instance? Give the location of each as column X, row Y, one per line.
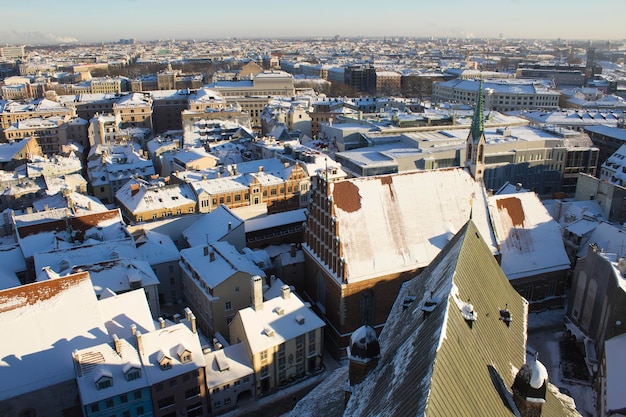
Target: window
column 126, row 413
column 192, row 392
column 159, row 387
column 263, row 356
column 124, row 398
column 95, row 408
column 139, row 411
column 228, row 305
column 217, row 404
column 237, row 197
column 104, row 383
column 165, row 402
column 226, row 401
column 109, row 403
column 173, row 382
column 137, row 394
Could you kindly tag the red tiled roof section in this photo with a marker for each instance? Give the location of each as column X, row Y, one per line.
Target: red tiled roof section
column 513, row 206
column 346, row 196
column 14, row 298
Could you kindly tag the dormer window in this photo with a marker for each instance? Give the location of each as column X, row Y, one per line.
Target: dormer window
column 103, row 378
column 131, row 372
column 165, row 362
column 184, row 354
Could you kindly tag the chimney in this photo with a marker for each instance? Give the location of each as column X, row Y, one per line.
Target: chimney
column 230, row 226
column 260, row 168
column 192, row 319
column 206, row 250
column 161, row 323
column 212, row 256
column 518, row 186
column 257, row 293
column 134, row 189
column 285, row 292
column 188, row 313
column 118, row 344
column 133, row 329
column 139, row 342
column 292, row 250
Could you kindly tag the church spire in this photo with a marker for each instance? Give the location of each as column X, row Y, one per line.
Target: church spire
column 475, row 146
column 478, row 122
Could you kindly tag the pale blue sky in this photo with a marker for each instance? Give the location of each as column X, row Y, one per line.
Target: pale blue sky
column 95, row 21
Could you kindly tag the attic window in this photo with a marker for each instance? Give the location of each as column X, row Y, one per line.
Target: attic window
column 184, row 354
column 132, row 374
column 165, row 362
column 268, row 331
column 279, row 310
column 505, row 315
column 103, row 378
column 469, row 314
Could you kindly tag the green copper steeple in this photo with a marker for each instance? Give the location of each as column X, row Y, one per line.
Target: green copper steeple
column 478, row 122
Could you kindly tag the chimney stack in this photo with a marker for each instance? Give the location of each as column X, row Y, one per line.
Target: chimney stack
column 193, row 323
column 133, row 329
column 230, row 226
column 161, row 323
column 118, row 344
column 286, row 291
column 139, row 342
column 257, row 293
column 188, row 313
column 292, row 250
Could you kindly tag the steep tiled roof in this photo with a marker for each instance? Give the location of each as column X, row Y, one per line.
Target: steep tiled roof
column 439, row 365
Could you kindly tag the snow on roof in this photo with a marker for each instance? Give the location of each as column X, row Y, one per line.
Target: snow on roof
column 612, row 132
column 609, row 238
column 385, row 228
column 226, row 365
column 156, row 248
column 103, row 360
column 119, row 275
column 614, row 349
column 151, row 197
column 211, row 227
column 168, row 341
column 530, row 239
column 9, row 150
column 45, row 322
column 226, row 262
column 296, row 319
column 275, row 220
column 120, row 311
column 12, row 259
column 62, row 260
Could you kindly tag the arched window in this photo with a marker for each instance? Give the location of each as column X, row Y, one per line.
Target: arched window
column 367, row 307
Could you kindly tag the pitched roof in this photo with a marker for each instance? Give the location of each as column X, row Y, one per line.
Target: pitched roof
column 439, row 365
column 400, row 222
column 45, row 321
column 529, row 238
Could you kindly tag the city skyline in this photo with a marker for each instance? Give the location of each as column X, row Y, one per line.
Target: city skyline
column 90, row 21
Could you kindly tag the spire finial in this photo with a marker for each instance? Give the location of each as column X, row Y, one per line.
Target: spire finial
column 478, row 122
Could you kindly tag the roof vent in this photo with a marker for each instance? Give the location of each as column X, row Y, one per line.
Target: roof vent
column 407, row 302
column 505, row 315
column 300, row 319
column 268, row 331
column 469, row 314
column 429, row 305
column 279, row 310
